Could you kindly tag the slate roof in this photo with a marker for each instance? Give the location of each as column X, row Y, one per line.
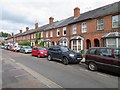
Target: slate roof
column 102, row 11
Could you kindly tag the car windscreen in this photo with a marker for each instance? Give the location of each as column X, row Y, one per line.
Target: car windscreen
column 64, row 49
column 41, row 48
column 27, row 47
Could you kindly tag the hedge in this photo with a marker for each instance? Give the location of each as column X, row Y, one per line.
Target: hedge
column 24, row 43
column 41, row 44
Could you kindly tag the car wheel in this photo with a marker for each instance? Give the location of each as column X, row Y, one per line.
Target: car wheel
column 92, row 66
column 65, row 61
column 49, row 58
column 24, row 52
column 38, row 55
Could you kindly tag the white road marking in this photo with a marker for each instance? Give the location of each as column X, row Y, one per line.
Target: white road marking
column 15, row 69
column 21, row 75
column 12, row 60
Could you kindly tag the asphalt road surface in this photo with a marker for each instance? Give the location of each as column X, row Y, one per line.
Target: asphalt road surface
column 65, row 76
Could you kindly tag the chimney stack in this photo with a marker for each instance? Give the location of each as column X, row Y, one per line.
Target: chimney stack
column 76, row 12
column 20, row 31
column 27, row 29
column 36, row 25
column 51, row 20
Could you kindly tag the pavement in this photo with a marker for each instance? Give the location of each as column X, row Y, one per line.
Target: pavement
column 13, row 76
column 54, row 74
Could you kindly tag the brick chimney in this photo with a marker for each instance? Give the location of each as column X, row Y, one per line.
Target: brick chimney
column 51, row 20
column 36, row 25
column 27, row 29
column 76, row 12
column 20, row 31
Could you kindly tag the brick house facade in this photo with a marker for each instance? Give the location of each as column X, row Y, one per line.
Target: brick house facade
column 96, row 28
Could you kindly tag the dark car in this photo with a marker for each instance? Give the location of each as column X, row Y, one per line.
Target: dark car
column 63, row 54
column 103, row 58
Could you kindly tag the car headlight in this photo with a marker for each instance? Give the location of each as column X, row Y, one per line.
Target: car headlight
column 41, row 52
column 71, row 55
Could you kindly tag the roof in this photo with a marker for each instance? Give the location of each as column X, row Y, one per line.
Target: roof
column 99, row 12
column 112, row 35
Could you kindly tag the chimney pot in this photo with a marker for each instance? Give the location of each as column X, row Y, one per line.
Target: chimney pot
column 20, row 31
column 76, row 12
column 27, row 29
column 36, row 25
column 51, row 20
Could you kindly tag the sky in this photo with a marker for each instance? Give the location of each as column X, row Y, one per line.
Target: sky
column 19, row 14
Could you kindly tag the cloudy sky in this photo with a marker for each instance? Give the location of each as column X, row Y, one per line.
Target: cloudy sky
column 18, row 14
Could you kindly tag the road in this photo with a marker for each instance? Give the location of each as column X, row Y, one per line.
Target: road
column 65, row 76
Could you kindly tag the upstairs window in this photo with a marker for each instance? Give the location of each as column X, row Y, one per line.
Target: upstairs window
column 64, row 31
column 41, row 34
column 58, row 32
column 74, row 29
column 46, row 34
column 116, row 21
column 84, row 27
column 51, row 34
column 100, row 24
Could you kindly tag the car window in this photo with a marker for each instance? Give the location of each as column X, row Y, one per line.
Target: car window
column 64, row 49
column 92, row 51
column 117, row 54
column 105, row 52
column 56, row 49
column 42, row 48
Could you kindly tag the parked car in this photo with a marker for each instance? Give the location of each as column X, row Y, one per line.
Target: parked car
column 39, row 51
column 2, row 47
column 25, row 49
column 63, row 54
column 103, row 58
column 17, row 48
column 11, row 48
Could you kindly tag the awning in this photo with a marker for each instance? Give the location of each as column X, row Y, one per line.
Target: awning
column 77, row 38
column 112, row 35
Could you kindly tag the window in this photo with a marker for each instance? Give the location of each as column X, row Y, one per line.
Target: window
column 51, row 34
column 116, row 21
column 64, row 31
column 84, row 27
column 74, row 29
column 92, row 51
column 41, row 34
column 58, row 32
column 117, row 54
column 111, row 42
column 118, row 42
column 35, row 35
column 46, row 34
column 75, row 45
column 105, row 52
column 100, row 24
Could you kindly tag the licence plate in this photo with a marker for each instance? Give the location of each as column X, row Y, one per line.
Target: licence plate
column 79, row 58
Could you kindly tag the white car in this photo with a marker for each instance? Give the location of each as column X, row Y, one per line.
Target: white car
column 17, row 48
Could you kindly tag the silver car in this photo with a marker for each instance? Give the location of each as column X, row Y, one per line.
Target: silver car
column 25, row 49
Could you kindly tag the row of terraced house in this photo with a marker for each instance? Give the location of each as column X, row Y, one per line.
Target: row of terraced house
column 96, row 28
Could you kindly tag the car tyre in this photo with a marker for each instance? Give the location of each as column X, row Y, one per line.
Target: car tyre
column 38, row 55
column 49, row 58
column 92, row 66
column 65, row 61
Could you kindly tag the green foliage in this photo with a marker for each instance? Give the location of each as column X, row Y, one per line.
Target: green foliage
column 38, row 36
column 24, row 43
column 41, row 44
column 4, row 34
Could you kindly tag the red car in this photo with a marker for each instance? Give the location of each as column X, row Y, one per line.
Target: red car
column 11, row 48
column 39, row 52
